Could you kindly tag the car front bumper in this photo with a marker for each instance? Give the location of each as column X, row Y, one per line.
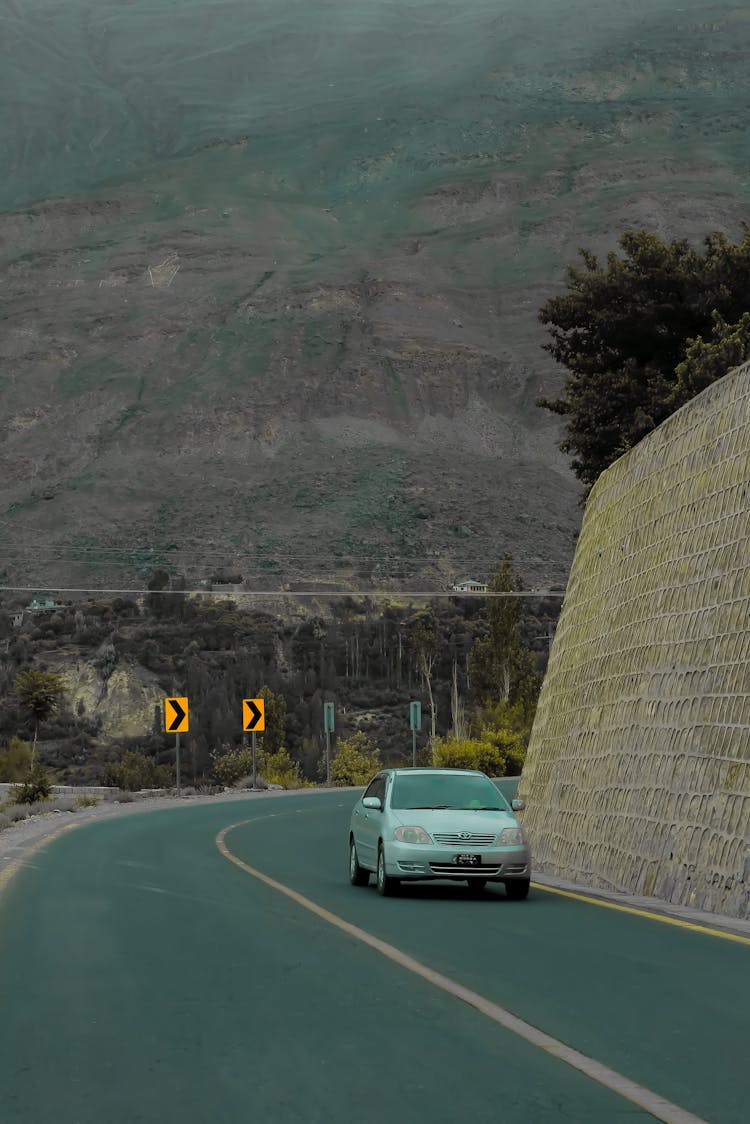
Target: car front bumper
column 417, row 862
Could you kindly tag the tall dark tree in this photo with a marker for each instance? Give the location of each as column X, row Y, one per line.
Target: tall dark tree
column 41, row 694
column 273, row 738
column 502, row 669
column 622, row 330
column 424, row 645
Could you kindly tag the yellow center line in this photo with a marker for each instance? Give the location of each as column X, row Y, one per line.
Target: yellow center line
column 665, row 920
column 646, row 1099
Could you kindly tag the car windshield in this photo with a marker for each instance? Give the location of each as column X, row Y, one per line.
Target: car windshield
column 441, row 790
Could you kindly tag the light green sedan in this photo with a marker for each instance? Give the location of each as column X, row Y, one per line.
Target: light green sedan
column 418, row 824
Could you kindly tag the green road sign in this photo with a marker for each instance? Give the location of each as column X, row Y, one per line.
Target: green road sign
column 415, row 715
column 328, row 717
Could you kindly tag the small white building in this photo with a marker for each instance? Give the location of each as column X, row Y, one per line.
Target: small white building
column 470, row 586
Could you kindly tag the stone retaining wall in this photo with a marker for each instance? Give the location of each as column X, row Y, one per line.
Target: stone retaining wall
column 638, row 771
column 65, row 790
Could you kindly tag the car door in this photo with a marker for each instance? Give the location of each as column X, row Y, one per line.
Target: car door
column 370, row 822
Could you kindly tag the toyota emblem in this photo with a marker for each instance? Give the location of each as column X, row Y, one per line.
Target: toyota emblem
column 464, row 835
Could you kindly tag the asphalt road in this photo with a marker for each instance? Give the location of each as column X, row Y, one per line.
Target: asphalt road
column 144, row 977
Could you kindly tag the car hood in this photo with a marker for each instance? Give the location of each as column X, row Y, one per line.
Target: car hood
column 450, row 819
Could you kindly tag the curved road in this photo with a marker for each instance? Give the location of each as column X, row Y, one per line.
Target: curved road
column 144, row 977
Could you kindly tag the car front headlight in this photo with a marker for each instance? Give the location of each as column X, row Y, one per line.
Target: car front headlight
column 411, row 835
column 511, row 837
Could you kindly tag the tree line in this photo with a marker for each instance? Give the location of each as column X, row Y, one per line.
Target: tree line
column 462, row 658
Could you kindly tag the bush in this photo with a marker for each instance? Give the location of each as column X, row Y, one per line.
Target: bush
column 37, row 786
column 87, row 800
column 16, row 812
column 279, row 768
column 512, row 746
column 232, row 765
column 133, row 771
column 5, row 820
column 15, row 762
column 356, row 762
column 469, row 754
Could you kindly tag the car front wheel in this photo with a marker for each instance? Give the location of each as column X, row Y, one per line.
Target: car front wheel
column 518, row 889
column 386, row 885
column 357, row 875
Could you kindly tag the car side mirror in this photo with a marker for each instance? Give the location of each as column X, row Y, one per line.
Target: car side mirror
column 518, row 805
column 372, row 802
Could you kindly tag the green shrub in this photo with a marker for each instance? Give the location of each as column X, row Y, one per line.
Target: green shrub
column 87, row 800
column 512, row 746
column 232, row 765
column 35, row 787
column 469, row 754
column 133, row 771
column 15, row 762
column 356, row 762
column 279, row 768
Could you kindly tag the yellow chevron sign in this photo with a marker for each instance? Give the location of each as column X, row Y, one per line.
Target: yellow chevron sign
column 176, row 716
column 254, row 714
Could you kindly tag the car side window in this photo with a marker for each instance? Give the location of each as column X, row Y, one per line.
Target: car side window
column 379, row 790
column 377, row 787
column 372, row 788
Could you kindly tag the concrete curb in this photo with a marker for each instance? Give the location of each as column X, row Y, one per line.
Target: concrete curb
column 736, row 925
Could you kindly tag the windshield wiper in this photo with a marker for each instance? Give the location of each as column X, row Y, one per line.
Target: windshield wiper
column 485, row 808
column 430, row 807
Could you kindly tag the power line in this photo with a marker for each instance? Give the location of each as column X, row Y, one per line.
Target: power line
column 319, row 593
column 136, row 555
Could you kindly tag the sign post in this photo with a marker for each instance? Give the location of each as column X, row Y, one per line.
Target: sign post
column 254, row 719
column 176, row 722
column 328, row 724
column 415, row 721
column 255, row 764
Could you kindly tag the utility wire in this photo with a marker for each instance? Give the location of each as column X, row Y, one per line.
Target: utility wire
column 135, row 555
column 319, row 593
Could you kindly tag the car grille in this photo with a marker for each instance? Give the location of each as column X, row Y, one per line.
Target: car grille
column 470, row 840
column 464, row 871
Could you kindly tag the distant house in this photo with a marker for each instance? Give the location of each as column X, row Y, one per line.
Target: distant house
column 41, row 606
column 17, row 619
column 470, row 586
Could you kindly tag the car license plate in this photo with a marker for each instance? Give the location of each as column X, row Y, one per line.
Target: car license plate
column 468, row 860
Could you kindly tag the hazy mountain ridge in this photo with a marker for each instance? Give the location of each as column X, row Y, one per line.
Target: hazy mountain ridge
column 321, row 344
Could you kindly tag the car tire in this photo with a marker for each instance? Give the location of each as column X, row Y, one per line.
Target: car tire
column 358, row 876
column 518, row 889
column 477, row 885
column 387, row 886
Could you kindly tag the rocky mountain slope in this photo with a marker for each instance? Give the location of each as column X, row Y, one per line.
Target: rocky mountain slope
column 270, row 272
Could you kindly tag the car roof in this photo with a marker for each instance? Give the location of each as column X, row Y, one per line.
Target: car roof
column 445, row 772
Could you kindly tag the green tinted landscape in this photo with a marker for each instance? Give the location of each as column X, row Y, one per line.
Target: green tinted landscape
column 253, row 249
